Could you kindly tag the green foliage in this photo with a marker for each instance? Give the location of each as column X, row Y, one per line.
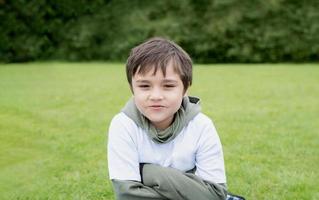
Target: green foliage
column 54, row 119
column 211, row 31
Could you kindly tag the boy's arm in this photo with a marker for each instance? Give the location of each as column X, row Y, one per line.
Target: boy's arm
column 174, row 184
column 133, row 190
column 209, row 158
column 163, row 183
column 123, row 163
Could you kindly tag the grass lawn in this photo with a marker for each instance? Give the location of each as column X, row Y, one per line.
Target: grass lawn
column 54, row 119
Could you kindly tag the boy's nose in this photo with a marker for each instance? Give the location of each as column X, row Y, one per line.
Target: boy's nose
column 156, row 94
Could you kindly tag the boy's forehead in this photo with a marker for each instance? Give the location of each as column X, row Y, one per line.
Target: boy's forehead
column 170, row 75
column 149, row 69
column 152, row 69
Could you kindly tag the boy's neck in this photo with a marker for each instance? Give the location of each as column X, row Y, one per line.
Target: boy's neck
column 163, row 124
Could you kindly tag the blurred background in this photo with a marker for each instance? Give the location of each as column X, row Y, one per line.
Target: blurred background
column 62, row 79
column 211, row 31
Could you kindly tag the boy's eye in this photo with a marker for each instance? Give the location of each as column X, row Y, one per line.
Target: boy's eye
column 143, row 86
column 169, row 86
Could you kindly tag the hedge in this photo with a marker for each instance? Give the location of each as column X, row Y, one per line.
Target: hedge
column 211, row 31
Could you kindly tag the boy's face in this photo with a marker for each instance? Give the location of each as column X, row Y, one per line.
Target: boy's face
column 157, row 97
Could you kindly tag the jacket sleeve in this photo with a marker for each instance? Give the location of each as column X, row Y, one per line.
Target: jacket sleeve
column 209, row 156
column 133, row 190
column 176, row 185
column 122, row 153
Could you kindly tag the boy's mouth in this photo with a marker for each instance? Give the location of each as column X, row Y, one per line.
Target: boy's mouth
column 156, row 106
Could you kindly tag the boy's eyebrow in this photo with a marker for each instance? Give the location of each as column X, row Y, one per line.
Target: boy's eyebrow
column 165, row 80
column 142, row 81
column 170, row 80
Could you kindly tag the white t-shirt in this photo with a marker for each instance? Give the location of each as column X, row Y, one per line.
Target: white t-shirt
column 197, row 145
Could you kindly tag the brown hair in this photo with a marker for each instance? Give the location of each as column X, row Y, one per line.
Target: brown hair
column 157, row 53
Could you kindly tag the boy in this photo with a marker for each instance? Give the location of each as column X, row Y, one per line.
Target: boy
column 161, row 146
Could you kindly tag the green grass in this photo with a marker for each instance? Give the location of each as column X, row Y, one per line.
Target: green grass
column 54, row 119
